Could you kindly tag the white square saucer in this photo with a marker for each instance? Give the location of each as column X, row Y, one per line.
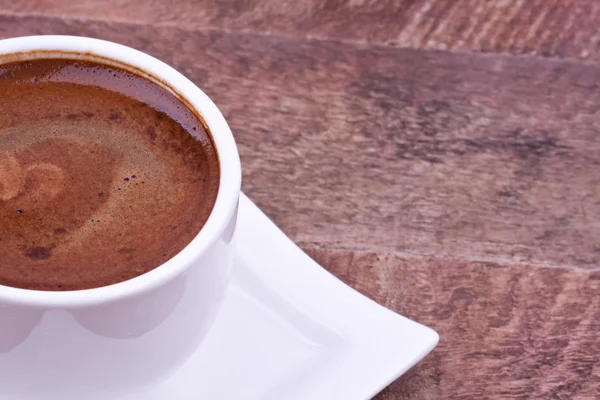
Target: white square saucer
column 290, row 330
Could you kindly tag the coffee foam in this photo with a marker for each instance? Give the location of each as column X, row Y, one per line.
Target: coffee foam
column 103, row 175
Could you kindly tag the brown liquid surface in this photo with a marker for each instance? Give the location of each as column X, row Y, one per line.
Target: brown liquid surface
column 103, row 175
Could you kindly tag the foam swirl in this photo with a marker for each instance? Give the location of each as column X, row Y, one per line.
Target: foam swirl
column 13, row 178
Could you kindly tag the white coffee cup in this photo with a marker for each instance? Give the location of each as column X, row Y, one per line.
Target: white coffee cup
column 123, row 338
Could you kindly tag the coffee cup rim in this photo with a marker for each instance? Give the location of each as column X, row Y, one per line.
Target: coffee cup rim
column 90, row 49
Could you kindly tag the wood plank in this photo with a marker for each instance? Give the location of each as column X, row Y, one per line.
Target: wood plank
column 555, row 28
column 484, row 157
column 507, row 331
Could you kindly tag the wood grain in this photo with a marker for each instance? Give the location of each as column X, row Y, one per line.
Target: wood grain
column 476, row 156
column 461, row 190
column 507, row 331
column 555, row 28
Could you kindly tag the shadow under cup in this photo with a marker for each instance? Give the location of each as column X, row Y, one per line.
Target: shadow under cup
column 103, row 342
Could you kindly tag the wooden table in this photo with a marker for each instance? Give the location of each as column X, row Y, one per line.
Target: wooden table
column 442, row 157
